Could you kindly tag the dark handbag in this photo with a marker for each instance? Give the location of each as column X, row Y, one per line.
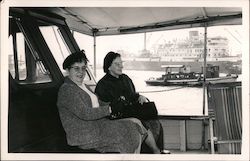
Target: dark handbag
column 145, row 111
column 124, row 109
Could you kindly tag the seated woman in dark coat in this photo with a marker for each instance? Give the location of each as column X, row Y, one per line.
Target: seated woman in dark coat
column 84, row 118
column 116, row 84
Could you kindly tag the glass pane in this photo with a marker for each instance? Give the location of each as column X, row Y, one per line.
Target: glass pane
column 56, row 44
column 86, row 43
column 21, row 65
column 21, row 57
column 58, row 47
column 11, row 57
column 30, row 69
column 43, row 75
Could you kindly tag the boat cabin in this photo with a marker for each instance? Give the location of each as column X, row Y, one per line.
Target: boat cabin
column 212, row 71
column 178, row 72
column 176, row 69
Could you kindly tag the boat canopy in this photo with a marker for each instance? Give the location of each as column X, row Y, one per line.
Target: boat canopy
column 98, row 21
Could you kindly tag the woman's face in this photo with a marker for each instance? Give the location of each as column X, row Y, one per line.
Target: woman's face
column 77, row 72
column 116, row 67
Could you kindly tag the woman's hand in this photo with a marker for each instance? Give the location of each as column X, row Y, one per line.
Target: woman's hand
column 117, row 105
column 142, row 99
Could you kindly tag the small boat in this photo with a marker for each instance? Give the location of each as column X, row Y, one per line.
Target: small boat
column 182, row 75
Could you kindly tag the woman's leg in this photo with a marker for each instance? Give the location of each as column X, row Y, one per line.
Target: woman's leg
column 157, row 131
column 150, row 141
column 138, row 149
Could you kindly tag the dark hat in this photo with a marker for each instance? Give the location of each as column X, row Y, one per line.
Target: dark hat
column 109, row 59
column 78, row 56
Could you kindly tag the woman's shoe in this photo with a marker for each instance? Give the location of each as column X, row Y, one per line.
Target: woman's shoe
column 165, row 152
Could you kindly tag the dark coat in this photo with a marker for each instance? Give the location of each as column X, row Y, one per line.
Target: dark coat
column 89, row 128
column 110, row 88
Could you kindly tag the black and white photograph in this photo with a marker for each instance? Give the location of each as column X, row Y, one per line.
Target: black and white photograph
column 124, row 80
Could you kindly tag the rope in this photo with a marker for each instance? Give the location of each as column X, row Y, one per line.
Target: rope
column 163, row 90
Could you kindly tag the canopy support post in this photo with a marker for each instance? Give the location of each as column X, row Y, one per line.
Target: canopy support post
column 94, row 46
column 204, row 69
column 204, row 85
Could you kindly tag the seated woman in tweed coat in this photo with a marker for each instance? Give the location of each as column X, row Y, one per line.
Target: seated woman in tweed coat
column 85, row 119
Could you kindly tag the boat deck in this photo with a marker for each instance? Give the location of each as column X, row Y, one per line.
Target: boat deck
column 177, row 151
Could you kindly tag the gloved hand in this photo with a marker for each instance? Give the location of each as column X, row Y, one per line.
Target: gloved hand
column 114, row 116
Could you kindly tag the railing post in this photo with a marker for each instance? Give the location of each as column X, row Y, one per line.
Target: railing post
column 211, row 130
column 183, row 140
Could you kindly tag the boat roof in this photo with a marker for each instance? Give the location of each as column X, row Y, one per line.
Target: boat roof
column 173, row 66
column 127, row 20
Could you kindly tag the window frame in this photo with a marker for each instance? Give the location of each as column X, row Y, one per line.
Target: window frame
column 34, row 38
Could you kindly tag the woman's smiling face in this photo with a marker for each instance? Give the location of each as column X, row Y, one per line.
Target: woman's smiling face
column 77, row 72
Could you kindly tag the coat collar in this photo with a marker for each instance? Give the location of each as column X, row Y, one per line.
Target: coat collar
column 110, row 77
column 69, row 81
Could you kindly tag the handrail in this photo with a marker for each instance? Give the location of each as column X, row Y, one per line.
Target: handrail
column 163, row 90
column 182, row 117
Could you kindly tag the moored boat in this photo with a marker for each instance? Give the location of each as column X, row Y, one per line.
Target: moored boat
column 181, row 75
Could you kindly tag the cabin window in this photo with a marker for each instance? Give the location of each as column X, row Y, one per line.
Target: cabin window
column 25, row 65
column 55, row 43
column 17, row 63
column 11, row 62
column 58, row 47
column 85, row 42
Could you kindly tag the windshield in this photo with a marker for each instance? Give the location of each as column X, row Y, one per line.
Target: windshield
column 58, row 47
column 56, row 43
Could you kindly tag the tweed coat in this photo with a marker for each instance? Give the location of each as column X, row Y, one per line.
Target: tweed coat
column 89, row 128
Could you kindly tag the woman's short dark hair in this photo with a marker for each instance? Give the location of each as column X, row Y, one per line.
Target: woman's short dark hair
column 109, row 59
column 78, row 56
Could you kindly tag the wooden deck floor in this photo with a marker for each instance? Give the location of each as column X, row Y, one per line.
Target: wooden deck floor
column 190, row 152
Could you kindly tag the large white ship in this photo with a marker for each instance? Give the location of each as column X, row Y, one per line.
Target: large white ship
column 192, row 48
column 189, row 51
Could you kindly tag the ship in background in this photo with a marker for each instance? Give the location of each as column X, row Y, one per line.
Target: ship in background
column 187, row 51
column 182, row 75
